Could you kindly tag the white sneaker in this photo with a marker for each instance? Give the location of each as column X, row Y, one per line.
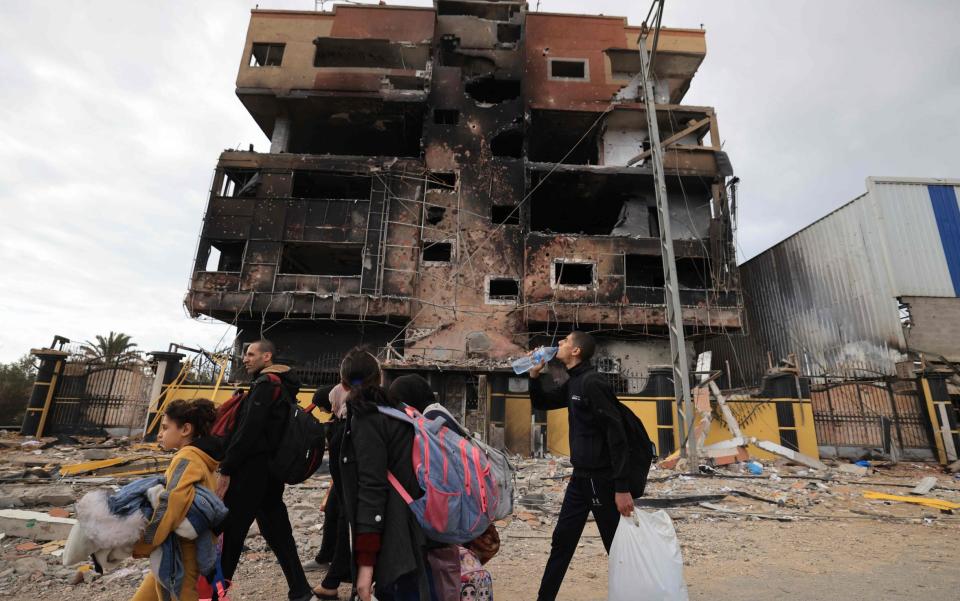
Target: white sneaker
column 313, row 566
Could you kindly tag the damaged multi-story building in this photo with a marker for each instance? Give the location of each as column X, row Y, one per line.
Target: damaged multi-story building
column 455, row 185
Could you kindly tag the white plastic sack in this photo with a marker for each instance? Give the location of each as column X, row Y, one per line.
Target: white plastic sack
column 645, row 560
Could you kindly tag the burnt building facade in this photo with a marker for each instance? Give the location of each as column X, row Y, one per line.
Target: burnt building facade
column 455, row 185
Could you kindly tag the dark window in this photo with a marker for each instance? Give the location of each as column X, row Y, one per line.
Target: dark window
column 225, row 255
column 508, row 33
column 266, row 55
column 446, row 116
column 493, row 91
column 507, row 289
column 505, row 215
column 240, row 182
column 436, row 251
column 322, row 184
column 644, row 270
column 322, row 259
column 693, row 273
column 568, row 69
column 507, row 143
column 440, row 180
column 573, row 274
column 435, row 215
column 653, row 221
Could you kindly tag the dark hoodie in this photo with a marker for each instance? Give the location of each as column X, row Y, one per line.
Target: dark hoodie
column 260, row 419
column 412, row 390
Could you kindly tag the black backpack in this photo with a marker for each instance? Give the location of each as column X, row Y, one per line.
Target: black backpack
column 642, row 450
column 301, row 446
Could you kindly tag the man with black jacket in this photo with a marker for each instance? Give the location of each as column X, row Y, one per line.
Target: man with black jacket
column 603, row 481
column 246, row 485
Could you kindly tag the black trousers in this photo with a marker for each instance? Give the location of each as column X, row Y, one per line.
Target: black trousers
column 584, row 495
column 331, row 514
column 255, row 494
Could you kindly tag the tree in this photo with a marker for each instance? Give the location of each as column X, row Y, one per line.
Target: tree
column 16, row 382
column 115, row 347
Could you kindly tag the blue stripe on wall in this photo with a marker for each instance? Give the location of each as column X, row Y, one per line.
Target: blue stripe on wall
column 947, row 213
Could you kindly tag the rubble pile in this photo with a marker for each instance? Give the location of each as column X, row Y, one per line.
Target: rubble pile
column 36, row 507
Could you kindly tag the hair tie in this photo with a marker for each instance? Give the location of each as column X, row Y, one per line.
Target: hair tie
column 356, row 382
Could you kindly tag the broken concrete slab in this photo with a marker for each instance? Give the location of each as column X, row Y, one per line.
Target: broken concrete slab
column 790, row 454
column 924, row 486
column 36, row 496
column 34, row 525
column 852, row 468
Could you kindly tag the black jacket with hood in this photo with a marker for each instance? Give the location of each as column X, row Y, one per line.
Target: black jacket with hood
column 598, row 440
column 260, row 419
column 372, row 445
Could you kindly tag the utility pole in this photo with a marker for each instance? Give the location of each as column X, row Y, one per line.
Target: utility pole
column 678, row 349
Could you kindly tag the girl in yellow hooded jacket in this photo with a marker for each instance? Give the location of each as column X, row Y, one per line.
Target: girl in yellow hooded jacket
column 185, row 427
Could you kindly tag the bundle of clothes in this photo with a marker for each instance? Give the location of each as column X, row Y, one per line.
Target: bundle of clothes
column 109, row 525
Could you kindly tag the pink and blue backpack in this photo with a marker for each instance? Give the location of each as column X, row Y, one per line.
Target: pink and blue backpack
column 460, row 492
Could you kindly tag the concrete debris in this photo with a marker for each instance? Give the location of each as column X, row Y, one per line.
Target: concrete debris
column 34, row 525
column 924, row 486
column 852, row 468
column 784, row 495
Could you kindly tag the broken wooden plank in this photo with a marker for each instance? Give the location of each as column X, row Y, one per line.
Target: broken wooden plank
column 34, row 525
column 924, row 486
column 694, row 127
column 790, row 454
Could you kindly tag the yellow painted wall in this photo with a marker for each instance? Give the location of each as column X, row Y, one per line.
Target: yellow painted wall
column 763, row 425
column 516, row 430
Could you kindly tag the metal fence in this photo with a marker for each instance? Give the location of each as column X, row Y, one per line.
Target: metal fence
column 94, row 396
column 869, row 413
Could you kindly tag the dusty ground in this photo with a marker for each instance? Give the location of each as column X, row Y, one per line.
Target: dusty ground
column 791, row 533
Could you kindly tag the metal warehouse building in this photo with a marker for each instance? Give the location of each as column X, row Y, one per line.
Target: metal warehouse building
column 858, row 291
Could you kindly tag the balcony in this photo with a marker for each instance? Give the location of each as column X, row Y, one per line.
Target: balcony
column 313, row 68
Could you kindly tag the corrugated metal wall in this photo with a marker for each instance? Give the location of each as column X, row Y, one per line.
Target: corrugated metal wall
column 829, row 292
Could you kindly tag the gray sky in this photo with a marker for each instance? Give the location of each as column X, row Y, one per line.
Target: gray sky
column 113, row 113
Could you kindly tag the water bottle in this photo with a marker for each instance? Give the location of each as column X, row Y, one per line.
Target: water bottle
column 527, row 362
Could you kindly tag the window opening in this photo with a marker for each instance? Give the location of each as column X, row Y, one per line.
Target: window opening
column 505, row 215
column 569, row 69
column 508, row 33
column 435, row 215
column 266, row 55
column 446, row 116
column 322, row 259
column 493, row 91
column 443, row 181
column 503, row 289
column 644, row 270
column 322, row 184
column 693, row 273
column 507, row 143
column 653, row 221
column 573, row 274
column 240, row 183
column 436, row 252
column 225, row 255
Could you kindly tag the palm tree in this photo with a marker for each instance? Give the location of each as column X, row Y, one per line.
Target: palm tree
column 115, row 347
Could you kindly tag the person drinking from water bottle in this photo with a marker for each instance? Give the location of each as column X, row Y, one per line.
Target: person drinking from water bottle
column 603, row 480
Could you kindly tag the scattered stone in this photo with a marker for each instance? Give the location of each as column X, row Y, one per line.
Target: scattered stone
column 30, row 565
column 97, row 454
